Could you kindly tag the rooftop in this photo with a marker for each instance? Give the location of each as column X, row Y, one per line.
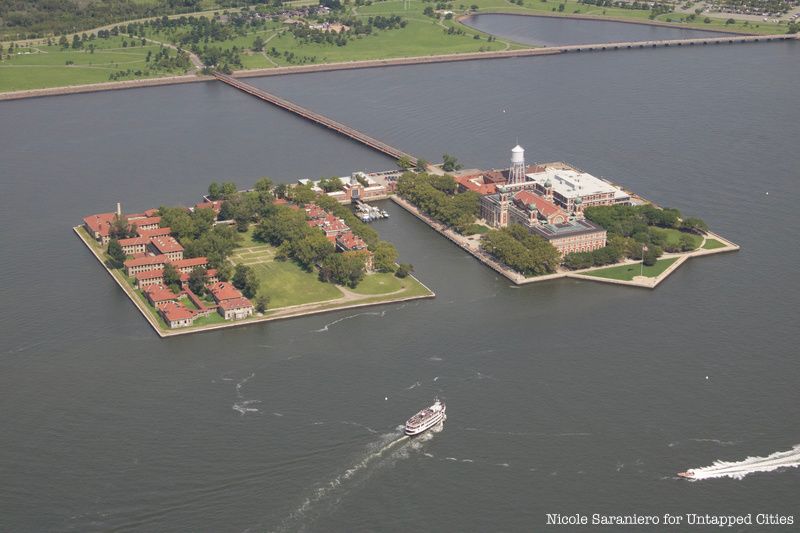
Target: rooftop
column 223, row 290
column 567, row 229
column 572, row 183
column 235, row 303
column 147, row 260
column 159, row 293
column 166, row 243
column 544, row 206
column 173, row 311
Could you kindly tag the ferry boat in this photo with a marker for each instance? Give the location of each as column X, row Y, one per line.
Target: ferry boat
column 689, row 474
column 426, row 419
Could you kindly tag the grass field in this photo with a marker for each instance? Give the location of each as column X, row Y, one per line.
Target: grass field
column 673, row 236
column 283, row 281
column 46, row 66
column 712, row 244
column 628, row 272
column 287, row 284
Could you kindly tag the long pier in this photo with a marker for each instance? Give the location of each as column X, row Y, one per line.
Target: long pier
column 316, row 117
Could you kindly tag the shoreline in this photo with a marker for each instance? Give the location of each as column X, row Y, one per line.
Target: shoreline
column 583, row 274
column 321, row 307
column 389, row 62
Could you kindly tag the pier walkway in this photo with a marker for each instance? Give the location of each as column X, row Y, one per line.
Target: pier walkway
column 316, row 117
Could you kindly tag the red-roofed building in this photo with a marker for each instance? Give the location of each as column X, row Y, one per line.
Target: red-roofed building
column 141, row 264
column 158, row 293
column 167, row 245
column 134, row 245
column 331, row 225
column 149, row 277
column 149, row 233
column 313, row 211
column 98, row 226
column 216, row 205
column 477, row 183
column 235, row 308
column 223, row 290
column 350, row 241
column 147, row 223
column 533, row 207
column 176, row 315
column 187, row 265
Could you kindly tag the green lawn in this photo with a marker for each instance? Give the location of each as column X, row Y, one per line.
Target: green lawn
column 46, row 66
column 284, row 281
column 381, row 283
column 628, row 272
column 673, row 236
column 713, row 244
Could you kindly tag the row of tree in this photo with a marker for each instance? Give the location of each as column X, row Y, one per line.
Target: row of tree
column 437, row 196
column 522, row 251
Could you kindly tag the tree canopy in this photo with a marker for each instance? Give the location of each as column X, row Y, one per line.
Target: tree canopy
column 528, row 254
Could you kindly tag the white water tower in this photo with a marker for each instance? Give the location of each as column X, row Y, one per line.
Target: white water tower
column 516, row 174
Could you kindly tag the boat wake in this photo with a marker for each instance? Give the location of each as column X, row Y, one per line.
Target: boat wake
column 382, row 453
column 326, row 327
column 751, row 465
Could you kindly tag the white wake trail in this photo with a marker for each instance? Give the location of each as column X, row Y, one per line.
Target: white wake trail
column 324, row 328
column 751, row 465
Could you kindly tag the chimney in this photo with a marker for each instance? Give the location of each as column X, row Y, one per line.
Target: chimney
column 119, row 209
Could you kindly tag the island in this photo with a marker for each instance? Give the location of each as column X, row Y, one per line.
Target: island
column 551, row 220
column 262, row 254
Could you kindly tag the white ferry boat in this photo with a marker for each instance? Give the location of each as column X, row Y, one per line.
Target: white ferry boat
column 426, row 419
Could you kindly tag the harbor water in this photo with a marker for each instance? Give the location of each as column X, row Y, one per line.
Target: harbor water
column 563, row 397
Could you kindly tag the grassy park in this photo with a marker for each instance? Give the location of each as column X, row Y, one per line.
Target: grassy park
column 628, row 272
column 288, row 284
column 713, row 244
column 38, row 66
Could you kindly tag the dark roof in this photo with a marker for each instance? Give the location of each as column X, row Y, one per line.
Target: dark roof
column 568, row 229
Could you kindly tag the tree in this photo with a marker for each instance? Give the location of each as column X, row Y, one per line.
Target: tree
column 245, row 279
column 686, row 243
column 403, row 270
column 347, row 268
column 311, row 249
column 263, row 185
column 385, row 257
column 450, row 163
column 302, row 194
column 280, row 190
column 197, row 280
column 116, row 253
column 262, row 301
column 694, row 224
column 405, row 162
column 422, row 165
column 258, row 44
column 120, row 229
column 229, row 189
column 172, row 278
column 215, row 191
column 729, row 22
